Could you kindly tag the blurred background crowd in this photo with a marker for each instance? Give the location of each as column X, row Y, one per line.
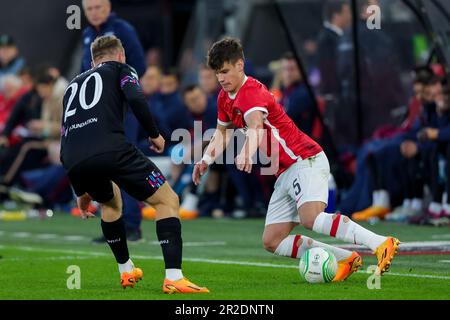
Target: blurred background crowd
column 377, row 100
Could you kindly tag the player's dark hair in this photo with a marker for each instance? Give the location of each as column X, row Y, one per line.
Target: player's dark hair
column 104, row 46
column 333, row 7
column 226, row 50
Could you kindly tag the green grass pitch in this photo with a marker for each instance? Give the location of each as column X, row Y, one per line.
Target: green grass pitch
column 224, row 255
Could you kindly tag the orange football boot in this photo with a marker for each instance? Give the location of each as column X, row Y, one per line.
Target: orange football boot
column 182, row 286
column 347, row 266
column 148, row 213
column 385, row 253
column 130, row 279
column 371, row 212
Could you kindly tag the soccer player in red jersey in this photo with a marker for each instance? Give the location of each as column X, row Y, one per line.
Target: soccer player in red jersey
column 301, row 191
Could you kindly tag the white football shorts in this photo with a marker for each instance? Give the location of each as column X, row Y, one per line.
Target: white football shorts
column 304, row 181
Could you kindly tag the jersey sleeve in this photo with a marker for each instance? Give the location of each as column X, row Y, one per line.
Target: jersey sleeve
column 129, row 84
column 222, row 117
column 254, row 100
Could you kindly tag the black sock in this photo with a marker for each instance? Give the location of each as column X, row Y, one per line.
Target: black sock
column 169, row 236
column 115, row 235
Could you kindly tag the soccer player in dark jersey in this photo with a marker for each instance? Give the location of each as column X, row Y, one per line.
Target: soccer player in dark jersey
column 99, row 160
column 301, row 189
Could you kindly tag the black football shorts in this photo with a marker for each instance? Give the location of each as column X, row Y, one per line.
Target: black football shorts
column 130, row 169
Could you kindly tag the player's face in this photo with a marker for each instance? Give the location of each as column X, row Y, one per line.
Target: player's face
column 97, row 11
column 230, row 76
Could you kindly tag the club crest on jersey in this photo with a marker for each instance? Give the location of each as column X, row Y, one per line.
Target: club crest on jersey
column 128, row 79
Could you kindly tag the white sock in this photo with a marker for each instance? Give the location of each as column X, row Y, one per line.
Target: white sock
column 295, row 245
column 416, row 204
column 343, row 228
column 126, row 267
column 174, row 274
column 435, row 207
column 384, row 199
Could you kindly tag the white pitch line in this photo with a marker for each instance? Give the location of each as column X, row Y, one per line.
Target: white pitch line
column 214, row 261
column 46, row 236
column 444, row 261
column 51, row 236
column 21, row 234
column 74, row 238
column 441, row 236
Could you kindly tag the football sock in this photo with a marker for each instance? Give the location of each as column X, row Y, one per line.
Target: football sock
column 295, row 245
column 169, row 236
column 116, row 238
column 343, row 228
column 126, row 267
column 174, row 274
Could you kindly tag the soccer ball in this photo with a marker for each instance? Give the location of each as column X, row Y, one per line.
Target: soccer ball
column 318, row 265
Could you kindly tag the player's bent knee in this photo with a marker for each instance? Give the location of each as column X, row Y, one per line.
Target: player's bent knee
column 270, row 244
column 308, row 222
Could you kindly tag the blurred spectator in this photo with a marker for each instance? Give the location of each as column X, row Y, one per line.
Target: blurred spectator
column 198, row 108
column 171, row 103
column 151, row 86
column 102, row 21
column 153, row 57
column 337, row 17
column 204, row 111
column 296, row 100
column 331, row 56
column 41, row 120
column 207, row 81
column 12, row 89
column 439, row 209
column 10, row 60
column 378, row 163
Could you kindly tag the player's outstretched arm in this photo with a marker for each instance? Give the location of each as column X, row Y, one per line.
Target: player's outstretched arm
column 218, row 143
column 129, row 84
column 254, row 135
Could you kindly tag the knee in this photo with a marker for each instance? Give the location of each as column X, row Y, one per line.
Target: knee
column 270, row 244
column 308, row 222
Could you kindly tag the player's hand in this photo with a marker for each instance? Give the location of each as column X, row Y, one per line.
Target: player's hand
column 199, row 170
column 4, row 142
column 409, row 149
column 83, row 204
column 244, row 163
column 157, row 144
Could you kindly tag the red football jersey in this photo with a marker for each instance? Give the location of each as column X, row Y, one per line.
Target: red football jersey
column 291, row 143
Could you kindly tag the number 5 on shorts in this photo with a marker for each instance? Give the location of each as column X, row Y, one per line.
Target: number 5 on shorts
column 296, row 186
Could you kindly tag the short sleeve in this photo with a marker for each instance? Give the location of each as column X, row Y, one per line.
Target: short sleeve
column 222, row 117
column 255, row 100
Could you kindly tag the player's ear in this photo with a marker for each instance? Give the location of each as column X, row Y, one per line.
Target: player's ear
column 240, row 65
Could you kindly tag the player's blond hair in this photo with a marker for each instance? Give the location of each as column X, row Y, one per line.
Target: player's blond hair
column 105, row 46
